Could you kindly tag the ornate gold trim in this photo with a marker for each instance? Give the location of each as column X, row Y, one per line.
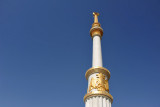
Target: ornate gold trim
column 97, row 70
column 98, row 93
column 96, row 31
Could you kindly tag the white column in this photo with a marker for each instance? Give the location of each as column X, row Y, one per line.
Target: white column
column 91, row 102
column 94, row 102
column 97, row 54
column 108, row 103
column 100, row 101
column 104, row 102
column 86, row 103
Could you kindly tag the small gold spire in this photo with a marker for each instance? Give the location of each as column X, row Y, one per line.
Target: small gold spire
column 96, row 27
column 95, row 15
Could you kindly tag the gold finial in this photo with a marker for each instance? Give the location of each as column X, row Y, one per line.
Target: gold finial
column 96, row 27
column 95, row 15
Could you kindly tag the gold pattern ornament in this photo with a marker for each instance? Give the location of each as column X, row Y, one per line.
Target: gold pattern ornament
column 99, row 83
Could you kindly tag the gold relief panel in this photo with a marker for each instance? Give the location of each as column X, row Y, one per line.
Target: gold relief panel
column 99, row 82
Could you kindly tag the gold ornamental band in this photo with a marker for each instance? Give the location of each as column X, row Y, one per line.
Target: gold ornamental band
column 96, row 31
column 98, row 93
column 97, row 70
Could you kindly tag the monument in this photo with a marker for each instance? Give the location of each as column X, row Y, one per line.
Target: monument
column 98, row 88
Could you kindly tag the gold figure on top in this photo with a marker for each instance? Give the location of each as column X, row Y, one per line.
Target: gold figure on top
column 95, row 15
column 96, row 27
column 99, row 83
column 96, row 23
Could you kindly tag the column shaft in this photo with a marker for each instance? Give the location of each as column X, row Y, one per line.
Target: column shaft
column 97, row 54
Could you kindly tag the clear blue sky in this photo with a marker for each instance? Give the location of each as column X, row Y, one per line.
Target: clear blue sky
column 45, row 50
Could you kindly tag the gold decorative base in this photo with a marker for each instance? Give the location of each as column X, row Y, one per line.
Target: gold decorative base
column 97, row 70
column 98, row 93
